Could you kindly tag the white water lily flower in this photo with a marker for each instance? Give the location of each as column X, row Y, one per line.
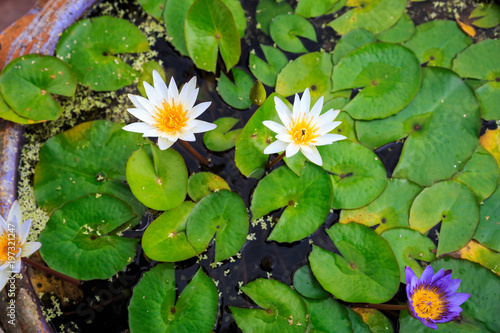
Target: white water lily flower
column 13, row 243
column 303, row 129
column 168, row 114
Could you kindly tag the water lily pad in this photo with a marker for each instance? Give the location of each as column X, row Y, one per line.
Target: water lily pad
column 281, row 308
column 454, row 205
column 174, row 16
column 8, row 114
column 388, row 74
column 154, row 8
column 409, row 246
column 89, row 158
column 157, row 179
column 307, row 199
column 311, row 70
column 477, row 281
column 480, row 173
column 488, row 96
column 267, row 10
column 375, row 320
column 79, row 239
column 367, row 271
column 89, row 47
column 28, row 82
column 267, row 71
column 400, row 32
column 488, row 230
column 236, row 94
column 238, row 15
column 314, row 8
column 147, row 75
column 224, row 215
column 356, row 173
column 165, row 239
column 222, row 138
column 285, row 30
column 442, row 123
column 438, row 42
column 202, row 184
column 306, row 284
column 358, row 325
column 476, row 252
column 254, row 138
column 486, row 15
column 490, row 140
column 351, row 41
column 375, row 16
column 326, row 314
column 391, row 209
column 154, row 307
column 210, row 28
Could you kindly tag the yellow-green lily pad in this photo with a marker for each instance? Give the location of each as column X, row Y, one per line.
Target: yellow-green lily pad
column 222, row 138
column 202, row 184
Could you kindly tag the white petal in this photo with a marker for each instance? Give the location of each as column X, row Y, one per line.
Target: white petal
column 328, row 116
column 187, row 136
column 285, row 137
column 30, row 248
column 189, row 101
column 275, row 147
column 138, row 127
column 188, row 89
column 142, row 114
column 24, row 230
column 305, row 101
column 296, row 106
column 17, row 266
column 164, row 143
column 328, row 139
column 160, row 85
column 173, row 92
column 152, row 133
column 172, row 137
column 14, row 217
column 312, row 155
column 328, row 127
column 198, row 109
column 153, row 95
column 283, row 111
column 274, row 126
column 141, row 102
column 316, row 110
column 292, row 149
column 3, row 225
column 4, row 276
column 202, row 126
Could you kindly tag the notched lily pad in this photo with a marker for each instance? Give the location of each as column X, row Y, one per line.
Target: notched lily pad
column 8, row 114
column 306, row 284
column 486, row 15
column 375, row 320
column 154, row 307
column 174, row 16
column 79, row 239
column 236, row 94
column 267, row 10
column 28, row 82
column 285, row 30
column 202, row 184
column 400, row 32
column 454, row 206
column 488, row 229
column 154, row 8
column 351, row 41
column 307, row 199
column 367, row 271
column 222, row 138
column 327, row 313
column 314, row 8
column 267, row 71
column 89, row 47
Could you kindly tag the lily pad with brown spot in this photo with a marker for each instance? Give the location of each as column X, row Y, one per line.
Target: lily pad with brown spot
column 479, row 253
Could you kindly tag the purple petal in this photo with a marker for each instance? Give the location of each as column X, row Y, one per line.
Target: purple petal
column 437, row 276
column 458, row 298
column 429, row 324
column 453, row 286
column 426, row 276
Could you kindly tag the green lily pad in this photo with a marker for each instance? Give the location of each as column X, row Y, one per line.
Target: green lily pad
column 486, row 15
column 358, row 325
column 454, row 205
column 224, row 215
column 367, row 271
column 400, row 32
column 356, row 173
column 477, row 281
column 391, row 209
column 308, row 199
column 258, row 93
column 326, row 314
column 490, row 140
column 157, row 179
column 28, row 82
column 375, row 16
column 311, row 70
column 375, row 320
column 351, row 41
column 238, row 15
column 147, row 75
column 154, row 8
column 488, row 229
column 409, row 246
column 210, row 28
column 388, row 73
column 282, row 309
column 222, row 138
column 442, row 123
column 267, row 71
column 476, row 252
column 306, row 284
column 480, row 173
column 89, row 158
column 488, row 96
column 8, row 114
column 174, row 16
column 89, row 47
column 254, row 138
column 285, row 29
column 314, row 8
column 438, row 42
column 80, row 239
column 236, row 94
column 202, row 184
column 154, row 307
column 165, row 239
column 267, row 10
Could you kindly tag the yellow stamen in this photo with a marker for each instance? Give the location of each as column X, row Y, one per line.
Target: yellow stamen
column 303, row 131
column 9, row 246
column 171, row 118
column 429, row 303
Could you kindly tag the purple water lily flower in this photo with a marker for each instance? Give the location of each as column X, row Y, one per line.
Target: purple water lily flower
column 432, row 298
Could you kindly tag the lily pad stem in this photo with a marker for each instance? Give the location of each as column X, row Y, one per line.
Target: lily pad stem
column 190, row 148
column 380, row 306
column 51, row 271
column 276, row 160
